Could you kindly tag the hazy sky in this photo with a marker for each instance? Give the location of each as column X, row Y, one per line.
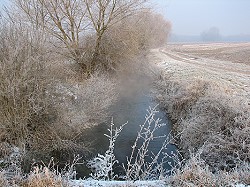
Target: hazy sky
column 191, row 17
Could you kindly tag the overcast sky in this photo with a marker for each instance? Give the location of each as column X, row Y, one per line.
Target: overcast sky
column 191, row 17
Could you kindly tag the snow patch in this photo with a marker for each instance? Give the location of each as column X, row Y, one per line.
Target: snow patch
column 94, row 183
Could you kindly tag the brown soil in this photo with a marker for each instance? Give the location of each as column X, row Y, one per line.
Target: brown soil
column 233, row 52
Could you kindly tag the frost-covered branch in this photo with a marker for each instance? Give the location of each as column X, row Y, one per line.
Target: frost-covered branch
column 138, row 168
column 103, row 164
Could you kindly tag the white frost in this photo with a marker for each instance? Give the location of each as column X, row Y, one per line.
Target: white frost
column 94, row 183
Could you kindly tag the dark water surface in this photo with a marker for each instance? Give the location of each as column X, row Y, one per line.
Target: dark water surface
column 133, row 112
column 131, row 108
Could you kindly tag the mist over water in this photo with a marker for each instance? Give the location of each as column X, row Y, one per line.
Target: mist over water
column 134, row 100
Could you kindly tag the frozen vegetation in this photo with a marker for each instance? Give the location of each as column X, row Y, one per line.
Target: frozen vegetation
column 63, row 66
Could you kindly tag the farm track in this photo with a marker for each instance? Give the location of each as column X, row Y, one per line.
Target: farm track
column 201, row 62
column 233, row 78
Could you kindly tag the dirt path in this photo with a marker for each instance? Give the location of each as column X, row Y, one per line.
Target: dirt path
column 203, row 62
column 233, row 52
column 234, row 78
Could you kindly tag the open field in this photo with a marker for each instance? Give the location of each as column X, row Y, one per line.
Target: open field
column 203, row 61
column 233, row 52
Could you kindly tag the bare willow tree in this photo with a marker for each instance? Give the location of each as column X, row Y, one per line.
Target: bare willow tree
column 105, row 13
column 132, row 37
column 66, row 20
column 71, row 20
column 152, row 29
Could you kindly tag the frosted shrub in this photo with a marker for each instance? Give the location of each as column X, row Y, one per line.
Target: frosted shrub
column 195, row 172
column 50, row 175
column 143, row 164
column 103, row 164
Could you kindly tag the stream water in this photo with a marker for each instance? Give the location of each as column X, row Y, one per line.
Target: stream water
column 131, row 108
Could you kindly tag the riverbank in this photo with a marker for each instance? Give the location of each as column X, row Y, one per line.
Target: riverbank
column 210, row 110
